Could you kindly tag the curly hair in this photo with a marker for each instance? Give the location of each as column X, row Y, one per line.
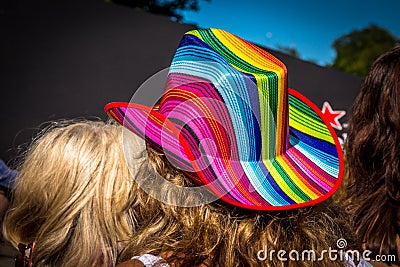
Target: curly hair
column 372, row 157
column 75, row 197
column 79, row 201
column 221, row 235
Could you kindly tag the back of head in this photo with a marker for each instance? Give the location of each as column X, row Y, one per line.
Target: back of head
column 74, row 196
column 228, row 121
column 219, row 234
column 373, row 162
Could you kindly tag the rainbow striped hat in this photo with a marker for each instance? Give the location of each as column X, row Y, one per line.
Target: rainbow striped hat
column 229, row 121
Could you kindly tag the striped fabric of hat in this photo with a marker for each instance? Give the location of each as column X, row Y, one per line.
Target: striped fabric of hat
column 229, row 121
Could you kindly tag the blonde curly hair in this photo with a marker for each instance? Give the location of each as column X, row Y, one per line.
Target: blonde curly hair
column 218, row 234
column 75, row 197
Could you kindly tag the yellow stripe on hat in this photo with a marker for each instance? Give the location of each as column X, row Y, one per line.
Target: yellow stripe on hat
column 294, row 176
column 258, row 58
column 282, row 184
column 195, row 33
column 312, row 127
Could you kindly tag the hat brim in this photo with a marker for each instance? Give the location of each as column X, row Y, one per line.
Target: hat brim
column 299, row 165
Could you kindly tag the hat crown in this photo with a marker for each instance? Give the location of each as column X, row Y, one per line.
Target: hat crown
column 228, row 120
column 233, row 88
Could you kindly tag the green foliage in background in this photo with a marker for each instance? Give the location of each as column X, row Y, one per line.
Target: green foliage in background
column 170, row 9
column 357, row 50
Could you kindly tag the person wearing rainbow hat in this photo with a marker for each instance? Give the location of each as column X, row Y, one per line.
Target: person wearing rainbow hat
column 247, row 165
column 231, row 168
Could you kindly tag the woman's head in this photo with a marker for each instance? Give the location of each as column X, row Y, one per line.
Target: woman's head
column 74, row 196
column 372, row 155
column 374, row 127
column 220, row 234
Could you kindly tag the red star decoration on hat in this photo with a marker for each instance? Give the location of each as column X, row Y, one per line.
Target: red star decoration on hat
column 333, row 116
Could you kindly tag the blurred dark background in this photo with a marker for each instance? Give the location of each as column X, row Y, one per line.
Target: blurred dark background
column 68, row 58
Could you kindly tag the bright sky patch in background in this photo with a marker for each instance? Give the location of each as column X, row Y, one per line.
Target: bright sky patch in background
column 308, row 26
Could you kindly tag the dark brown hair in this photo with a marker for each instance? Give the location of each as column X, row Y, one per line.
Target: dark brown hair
column 372, row 157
